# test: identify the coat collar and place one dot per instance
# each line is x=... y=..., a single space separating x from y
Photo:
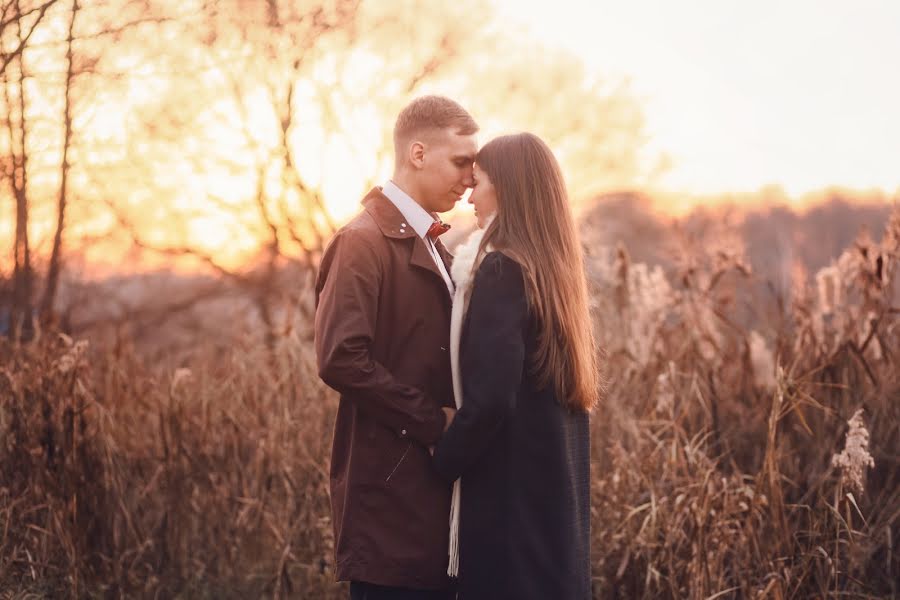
x=415 y=214
x=387 y=216
x=393 y=224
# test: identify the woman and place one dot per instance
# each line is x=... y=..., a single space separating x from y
x=525 y=378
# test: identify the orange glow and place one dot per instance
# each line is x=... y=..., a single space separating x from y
x=713 y=115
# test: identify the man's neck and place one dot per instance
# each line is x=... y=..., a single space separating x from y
x=407 y=184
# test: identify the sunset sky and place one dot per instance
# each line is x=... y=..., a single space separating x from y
x=735 y=97
x=804 y=94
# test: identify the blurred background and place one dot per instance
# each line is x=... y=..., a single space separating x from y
x=161 y=141
x=171 y=171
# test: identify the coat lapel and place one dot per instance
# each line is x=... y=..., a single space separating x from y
x=393 y=225
x=421 y=258
x=445 y=256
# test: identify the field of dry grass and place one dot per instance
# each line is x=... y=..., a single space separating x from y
x=724 y=465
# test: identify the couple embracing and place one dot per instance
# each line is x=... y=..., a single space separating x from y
x=460 y=461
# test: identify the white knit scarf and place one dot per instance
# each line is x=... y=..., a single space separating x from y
x=463 y=272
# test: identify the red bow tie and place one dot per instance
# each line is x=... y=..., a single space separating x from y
x=437 y=228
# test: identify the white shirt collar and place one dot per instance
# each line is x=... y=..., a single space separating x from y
x=417 y=217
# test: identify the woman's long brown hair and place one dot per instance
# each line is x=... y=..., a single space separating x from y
x=534 y=226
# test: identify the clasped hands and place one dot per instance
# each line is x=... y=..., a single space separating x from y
x=449 y=413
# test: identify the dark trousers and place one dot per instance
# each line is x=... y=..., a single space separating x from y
x=370 y=591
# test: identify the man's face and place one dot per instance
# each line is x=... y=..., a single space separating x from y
x=446 y=171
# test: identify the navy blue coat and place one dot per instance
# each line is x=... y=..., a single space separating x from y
x=524 y=460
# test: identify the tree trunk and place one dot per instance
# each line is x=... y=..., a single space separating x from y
x=55 y=266
x=20 y=316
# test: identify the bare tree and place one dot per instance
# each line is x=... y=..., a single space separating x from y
x=16 y=102
x=285 y=213
x=50 y=65
x=54 y=268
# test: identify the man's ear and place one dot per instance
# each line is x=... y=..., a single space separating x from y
x=417 y=154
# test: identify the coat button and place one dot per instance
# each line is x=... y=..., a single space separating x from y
x=403 y=432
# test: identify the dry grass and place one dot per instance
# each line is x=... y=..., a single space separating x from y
x=713 y=449
x=122 y=482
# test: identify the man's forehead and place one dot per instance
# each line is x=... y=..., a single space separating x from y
x=463 y=145
x=457 y=143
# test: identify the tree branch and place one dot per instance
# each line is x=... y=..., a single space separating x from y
x=6 y=58
x=129 y=228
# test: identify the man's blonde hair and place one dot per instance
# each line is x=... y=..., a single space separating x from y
x=431 y=113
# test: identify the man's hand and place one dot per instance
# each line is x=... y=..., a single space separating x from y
x=449 y=413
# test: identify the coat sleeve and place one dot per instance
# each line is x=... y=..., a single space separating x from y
x=347 y=297
x=492 y=361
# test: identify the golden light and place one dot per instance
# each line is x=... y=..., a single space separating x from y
x=736 y=98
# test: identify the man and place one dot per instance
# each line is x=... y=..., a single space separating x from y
x=383 y=299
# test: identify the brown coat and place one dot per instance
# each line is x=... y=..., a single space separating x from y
x=382 y=341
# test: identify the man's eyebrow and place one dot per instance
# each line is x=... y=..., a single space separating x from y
x=466 y=157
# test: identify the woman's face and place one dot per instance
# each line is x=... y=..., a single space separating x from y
x=483 y=197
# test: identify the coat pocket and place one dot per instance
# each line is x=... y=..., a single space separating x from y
x=399 y=462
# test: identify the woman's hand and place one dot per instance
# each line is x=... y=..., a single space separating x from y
x=449 y=413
